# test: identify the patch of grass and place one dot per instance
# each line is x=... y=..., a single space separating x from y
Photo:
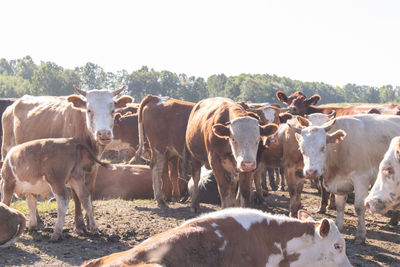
x=43 y=206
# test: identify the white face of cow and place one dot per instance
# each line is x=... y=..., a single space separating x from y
x=313 y=146
x=99 y=108
x=385 y=194
x=244 y=134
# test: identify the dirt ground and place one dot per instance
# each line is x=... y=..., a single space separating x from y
x=124 y=224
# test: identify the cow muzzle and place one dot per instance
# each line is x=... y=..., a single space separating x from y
x=375 y=205
x=104 y=136
x=311 y=174
x=247 y=166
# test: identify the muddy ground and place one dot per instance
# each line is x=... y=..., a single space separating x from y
x=123 y=224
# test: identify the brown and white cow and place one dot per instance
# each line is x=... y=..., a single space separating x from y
x=42 y=166
x=12 y=225
x=347 y=152
x=239 y=237
x=222 y=135
x=162 y=124
x=130 y=182
x=4 y=103
x=385 y=194
x=88 y=119
x=299 y=104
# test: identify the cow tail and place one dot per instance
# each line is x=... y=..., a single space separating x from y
x=94 y=157
x=138 y=154
x=21 y=228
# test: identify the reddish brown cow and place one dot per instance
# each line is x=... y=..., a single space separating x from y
x=129 y=182
x=239 y=237
x=42 y=166
x=12 y=225
x=89 y=119
x=4 y=103
x=299 y=104
x=222 y=135
x=162 y=123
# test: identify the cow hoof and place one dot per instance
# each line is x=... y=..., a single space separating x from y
x=359 y=240
x=162 y=204
x=55 y=237
x=80 y=230
x=195 y=209
x=322 y=211
x=331 y=207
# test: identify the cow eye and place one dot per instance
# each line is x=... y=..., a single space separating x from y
x=338 y=246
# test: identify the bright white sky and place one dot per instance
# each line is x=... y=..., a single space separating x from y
x=336 y=42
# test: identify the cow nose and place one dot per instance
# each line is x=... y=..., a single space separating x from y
x=104 y=134
x=248 y=165
x=311 y=173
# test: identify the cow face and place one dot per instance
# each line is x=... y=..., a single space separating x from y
x=244 y=134
x=385 y=194
x=297 y=102
x=99 y=107
x=329 y=247
x=313 y=141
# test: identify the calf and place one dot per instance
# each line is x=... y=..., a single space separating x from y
x=385 y=194
x=46 y=165
x=239 y=237
x=347 y=151
x=12 y=225
x=223 y=135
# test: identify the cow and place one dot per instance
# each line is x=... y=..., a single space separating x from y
x=12 y=225
x=347 y=152
x=42 y=166
x=239 y=237
x=208 y=188
x=385 y=194
x=88 y=118
x=224 y=136
x=4 y=103
x=130 y=182
x=162 y=124
x=299 y=104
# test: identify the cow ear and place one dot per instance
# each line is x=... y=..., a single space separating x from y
x=122 y=101
x=304 y=216
x=303 y=121
x=284 y=117
x=253 y=115
x=77 y=101
x=335 y=137
x=244 y=105
x=269 y=129
x=312 y=100
x=282 y=97
x=324 y=228
x=221 y=131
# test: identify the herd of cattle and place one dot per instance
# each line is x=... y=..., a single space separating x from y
x=51 y=143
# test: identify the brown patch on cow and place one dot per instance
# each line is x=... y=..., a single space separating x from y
x=12 y=224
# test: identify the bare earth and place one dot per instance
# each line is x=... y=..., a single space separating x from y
x=124 y=224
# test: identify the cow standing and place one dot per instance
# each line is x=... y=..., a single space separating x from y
x=347 y=152
x=162 y=124
x=239 y=237
x=222 y=135
x=88 y=119
x=12 y=225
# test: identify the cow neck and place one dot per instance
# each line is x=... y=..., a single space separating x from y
x=97 y=148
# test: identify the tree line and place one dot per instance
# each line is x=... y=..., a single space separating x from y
x=22 y=76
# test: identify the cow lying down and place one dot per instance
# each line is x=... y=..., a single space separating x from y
x=12 y=225
x=239 y=237
x=46 y=165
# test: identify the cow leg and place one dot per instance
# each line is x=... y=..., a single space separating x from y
x=196 y=169
x=32 y=205
x=360 y=193
x=282 y=180
x=295 y=186
x=79 y=222
x=7 y=191
x=62 y=207
x=244 y=188
x=394 y=218
x=166 y=185
x=324 y=197
x=340 y=204
x=332 y=205
x=258 y=173
x=158 y=166
x=173 y=165
x=224 y=186
x=271 y=179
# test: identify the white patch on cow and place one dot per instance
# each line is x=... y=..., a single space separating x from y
x=275 y=259
x=296 y=244
x=282 y=128
x=162 y=99
x=269 y=114
x=223 y=245
x=214 y=225
x=317 y=119
x=218 y=233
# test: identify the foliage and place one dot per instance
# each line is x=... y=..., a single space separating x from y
x=23 y=76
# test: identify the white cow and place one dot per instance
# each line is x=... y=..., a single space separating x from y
x=347 y=151
x=385 y=194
